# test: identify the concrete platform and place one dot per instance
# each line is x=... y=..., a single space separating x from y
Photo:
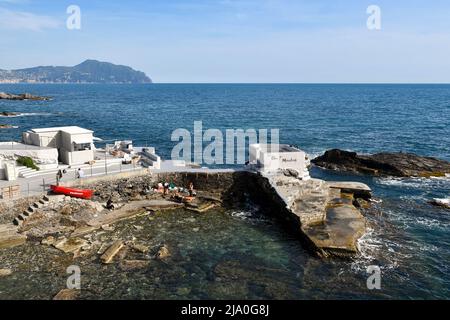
x=325 y=211
x=132 y=209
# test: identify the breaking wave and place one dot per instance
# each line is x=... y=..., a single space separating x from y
x=415 y=182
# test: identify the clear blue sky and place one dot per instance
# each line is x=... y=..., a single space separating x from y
x=236 y=40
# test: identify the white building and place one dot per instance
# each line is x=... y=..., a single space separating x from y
x=74 y=144
x=271 y=158
x=43 y=157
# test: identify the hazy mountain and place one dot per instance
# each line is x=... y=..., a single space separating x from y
x=89 y=71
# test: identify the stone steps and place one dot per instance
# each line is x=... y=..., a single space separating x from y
x=31 y=210
x=22 y=171
x=35 y=206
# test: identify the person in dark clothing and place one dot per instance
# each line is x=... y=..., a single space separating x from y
x=59 y=176
x=109 y=204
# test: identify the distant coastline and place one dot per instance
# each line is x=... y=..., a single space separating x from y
x=87 y=72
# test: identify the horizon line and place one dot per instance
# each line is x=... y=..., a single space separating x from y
x=233 y=83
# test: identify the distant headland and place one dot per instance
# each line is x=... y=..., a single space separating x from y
x=89 y=71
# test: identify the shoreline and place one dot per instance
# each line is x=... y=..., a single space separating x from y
x=224 y=189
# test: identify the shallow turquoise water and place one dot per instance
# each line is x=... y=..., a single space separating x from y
x=409 y=241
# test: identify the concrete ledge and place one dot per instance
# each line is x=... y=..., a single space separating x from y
x=109 y=177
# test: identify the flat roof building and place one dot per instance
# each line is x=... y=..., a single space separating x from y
x=271 y=158
x=74 y=144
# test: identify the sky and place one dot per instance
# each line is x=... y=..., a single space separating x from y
x=236 y=41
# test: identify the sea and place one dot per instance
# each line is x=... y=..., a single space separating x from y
x=243 y=254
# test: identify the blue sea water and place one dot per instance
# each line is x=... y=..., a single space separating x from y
x=410 y=240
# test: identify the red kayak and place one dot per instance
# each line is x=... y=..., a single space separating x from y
x=76 y=193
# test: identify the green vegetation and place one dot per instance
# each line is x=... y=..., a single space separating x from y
x=27 y=162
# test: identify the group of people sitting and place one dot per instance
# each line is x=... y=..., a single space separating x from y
x=177 y=193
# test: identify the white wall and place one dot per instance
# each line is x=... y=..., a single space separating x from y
x=47 y=139
x=79 y=157
x=283 y=160
x=44 y=158
x=2 y=170
x=254 y=153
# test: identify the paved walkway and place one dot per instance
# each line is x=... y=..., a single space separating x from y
x=41 y=184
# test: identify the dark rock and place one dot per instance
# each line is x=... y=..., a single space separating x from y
x=7 y=126
x=291 y=173
x=361 y=203
x=381 y=164
x=22 y=96
x=8 y=113
x=444 y=203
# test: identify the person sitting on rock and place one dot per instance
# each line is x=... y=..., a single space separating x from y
x=109 y=204
x=166 y=188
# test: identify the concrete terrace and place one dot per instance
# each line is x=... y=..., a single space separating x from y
x=324 y=211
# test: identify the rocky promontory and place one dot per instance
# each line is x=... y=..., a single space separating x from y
x=397 y=164
x=7 y=126
x=8 y=114
x=22 y=96
x=444 y=203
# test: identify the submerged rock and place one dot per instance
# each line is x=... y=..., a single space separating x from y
x=130 y=265
x=387 y=163
x=5 y=272
x=67 y=294
x=163 y=253
x=70 y=245
x=50 y=240
x=112 y=251
x=140 y=247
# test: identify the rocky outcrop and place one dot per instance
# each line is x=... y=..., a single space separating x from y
x=7 y=126
x=22 y=96
x=8 y=113
x=444 y=203
x=383 y=164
